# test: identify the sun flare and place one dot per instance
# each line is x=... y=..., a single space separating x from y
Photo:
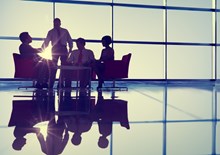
x=46 y=53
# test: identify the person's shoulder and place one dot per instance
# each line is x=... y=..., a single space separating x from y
x=88 y=50
x=76 y=50
x=64 y=29
x=51 y=30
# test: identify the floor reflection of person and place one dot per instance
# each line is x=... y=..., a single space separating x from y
x=106 y=112
x=55 y=142
x=79 y=119
x=25 y=115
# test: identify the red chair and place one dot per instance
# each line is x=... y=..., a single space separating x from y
x=25 y=68
x=117 y=69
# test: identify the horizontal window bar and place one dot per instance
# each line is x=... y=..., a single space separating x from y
x=130 y=5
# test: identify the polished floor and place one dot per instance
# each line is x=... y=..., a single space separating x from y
x=151 y=118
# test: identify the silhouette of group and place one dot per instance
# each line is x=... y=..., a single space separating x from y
x=75 y=116
x=59 y=38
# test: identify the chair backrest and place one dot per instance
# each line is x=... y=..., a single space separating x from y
x=126 y=59
x=24 y=67
x=117 y=68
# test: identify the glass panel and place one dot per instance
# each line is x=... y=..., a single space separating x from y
x=189 y=26
x=89 y=22
x=148 y=2
x=218 y=102
x=138 y=24
x=189 y=138
x=150 y=103
x=218 y=27
x=18 y=16
x=183 y=104
x=147 y=61
x=218 y=4
x=190 y=3
x=218 y=63
x=92 y=0
x=141 y=139
x=218 y=138
x=189 y=62
x=7 y=48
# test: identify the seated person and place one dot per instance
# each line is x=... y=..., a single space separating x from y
x=26 y=50
x=106 y=54
x=81 y=57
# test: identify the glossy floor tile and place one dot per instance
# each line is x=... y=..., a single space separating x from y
x=151 y=118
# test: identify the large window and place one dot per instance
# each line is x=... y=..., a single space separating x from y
x=168 y=39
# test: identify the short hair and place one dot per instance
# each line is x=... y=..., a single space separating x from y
x=81 y=41
x=107 y=38
x=57 y=19
x=23 y=36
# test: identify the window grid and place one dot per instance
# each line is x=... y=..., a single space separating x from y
x=214 y=44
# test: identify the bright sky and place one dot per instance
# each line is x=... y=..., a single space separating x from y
x=130 y=24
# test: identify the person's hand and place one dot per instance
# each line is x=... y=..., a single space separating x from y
x=40 y=50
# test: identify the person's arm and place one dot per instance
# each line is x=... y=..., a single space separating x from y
x=70 y=58
x=46 y=41
x=101 y=56
x=70 y=42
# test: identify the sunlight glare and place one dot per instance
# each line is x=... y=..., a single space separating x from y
x=46 y=53
x=43 y=128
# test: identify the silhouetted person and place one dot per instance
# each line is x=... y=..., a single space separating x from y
x=25 y=115
x=106 y=112
x=59 y=38
x=106 y=55
x=78 y=124
x=55 y=142
x=79 y=119
x=81 y=57
x=27 y=51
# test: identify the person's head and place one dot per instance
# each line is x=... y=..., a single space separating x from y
x=80 y=43
x=76 y=139
x=103 y=142
x=25 y=37
x=19 y=143
x=56 y=23
x=106 y=40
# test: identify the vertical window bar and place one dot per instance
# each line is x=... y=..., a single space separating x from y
x=112 y=23
x=165 y=39
x=54 y=8
x=214 y=38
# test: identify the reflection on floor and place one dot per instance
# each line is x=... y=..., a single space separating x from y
x=152 y=117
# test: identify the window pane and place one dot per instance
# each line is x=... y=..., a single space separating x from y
x=189 y=26
x=138 y=24
x=184 y=103
x=218 y=63
x=146 y=60
x=218 y=27
x=189 y=138
x=18 y=16
x=190 y=3
x=7 y=62
x=89 y=22
x=189 y=62
x=94 y=0
x=148 y=2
